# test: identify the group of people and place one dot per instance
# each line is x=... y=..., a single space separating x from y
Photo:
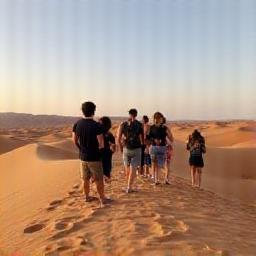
x=146 y=149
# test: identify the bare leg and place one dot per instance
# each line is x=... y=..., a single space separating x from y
x=100 y=188
x=156 y=173
x=193 y=172
x=168 y=171
x=131 y=177
x=86 y=185
x=141 y=170
x=127 y=172
x=199 y=176
x=146 y=170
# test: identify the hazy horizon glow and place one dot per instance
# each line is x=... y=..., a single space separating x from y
x=191 y=59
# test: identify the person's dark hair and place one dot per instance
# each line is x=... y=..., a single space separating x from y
x=145 y=119
x=164 y=120
x=133 y=112
x=196 y=134
x=157 y=116
x=88 y=109
x=106 y=123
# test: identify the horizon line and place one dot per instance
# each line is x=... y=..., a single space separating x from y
x=123 y=117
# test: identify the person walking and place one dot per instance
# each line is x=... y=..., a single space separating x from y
x=158 y=135
x=109 y=147
x=130 y=140
x=196 y=147
x=87 y=135
x=145 y=156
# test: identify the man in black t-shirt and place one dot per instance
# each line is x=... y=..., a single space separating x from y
x=88 y=137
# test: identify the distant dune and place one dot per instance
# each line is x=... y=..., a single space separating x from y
x=11 y=120
x=20 y=120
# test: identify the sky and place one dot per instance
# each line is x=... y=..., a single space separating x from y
x=190 y=59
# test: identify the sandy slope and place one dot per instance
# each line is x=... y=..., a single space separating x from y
x=26 y=184
x=167 y=220
x=42 y=207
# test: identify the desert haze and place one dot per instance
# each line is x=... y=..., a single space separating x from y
x=43 y=210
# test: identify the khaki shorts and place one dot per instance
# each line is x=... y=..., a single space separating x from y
x=91 y=170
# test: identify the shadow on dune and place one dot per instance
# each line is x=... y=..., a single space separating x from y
x=51 y=152
x=8 y=144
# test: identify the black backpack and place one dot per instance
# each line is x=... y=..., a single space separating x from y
x=132 y=132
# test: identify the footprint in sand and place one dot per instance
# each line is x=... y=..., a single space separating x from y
x=54 y=204
x=63 y=226
x=65 y=244
x=76 y=186
x=33 y=228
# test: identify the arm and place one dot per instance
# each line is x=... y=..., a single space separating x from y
x=119 y=137
x=113 y=147
x=169 y=134
x=203 y=148
x=142 y=138
x=112 y=143
x=75 y=140
x=100 y=141
x=188 y=142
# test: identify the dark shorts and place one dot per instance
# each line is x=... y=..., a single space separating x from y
x=196 y=161
x=147 y=160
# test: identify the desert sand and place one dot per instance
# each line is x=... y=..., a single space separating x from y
x=43 y=210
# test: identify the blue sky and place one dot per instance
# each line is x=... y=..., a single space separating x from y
x=190 y=59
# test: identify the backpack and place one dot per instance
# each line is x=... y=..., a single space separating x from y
x=132 y=132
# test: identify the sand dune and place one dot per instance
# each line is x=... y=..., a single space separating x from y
x=26 y=184
x=7 y=143
x=43 y=211
x=222 y=134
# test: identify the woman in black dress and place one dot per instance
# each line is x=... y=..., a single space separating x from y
x=109 y=147
x=196 y=146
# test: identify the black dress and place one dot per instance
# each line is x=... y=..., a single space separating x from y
x=107 y=154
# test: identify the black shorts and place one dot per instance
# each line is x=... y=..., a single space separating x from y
x=196 y=161
x=107 y=163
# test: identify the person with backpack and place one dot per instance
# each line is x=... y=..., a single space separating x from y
x=158 y=135
x=109 y=147
x=196 y=146
x=130 y=140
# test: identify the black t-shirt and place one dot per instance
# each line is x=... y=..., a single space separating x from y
x=157 y=135
x=87 y=130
